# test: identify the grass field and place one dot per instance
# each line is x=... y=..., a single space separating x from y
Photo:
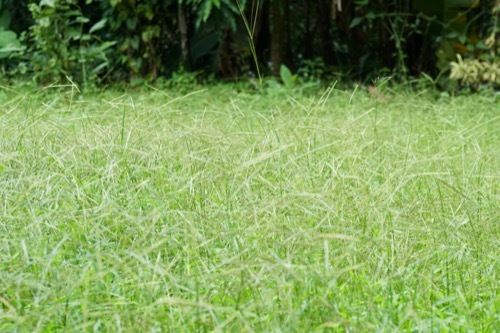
x=155 y=211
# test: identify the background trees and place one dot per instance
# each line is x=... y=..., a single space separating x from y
x=116 y=40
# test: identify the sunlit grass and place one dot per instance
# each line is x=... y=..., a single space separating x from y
x=223 y=211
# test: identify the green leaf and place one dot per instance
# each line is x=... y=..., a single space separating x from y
x=8 y=50
x=99 y=68
x=131 y=23
x=9 y=38
x=50 y=3
x=287 y=77
x=362 y=2
x=8 y=43
x=230 y=21
x=98 y=26
x=481 y=46
x=44 y=22
x=232 y=6
x=106 y=45
x=355 y=22
x=134 y=42
x=205 y=10
x=81 y=19
x=371 y=16
x=4 y=20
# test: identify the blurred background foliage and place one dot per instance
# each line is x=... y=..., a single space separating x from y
x=95 y=42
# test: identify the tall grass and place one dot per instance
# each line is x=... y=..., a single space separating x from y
x=150 y=212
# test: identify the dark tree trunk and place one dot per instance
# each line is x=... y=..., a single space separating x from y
x=261 y=34
x=227 y=57
x=279 y=41
x=356 y=38
x=308 y=33
x=324 y=32
x=184 y=30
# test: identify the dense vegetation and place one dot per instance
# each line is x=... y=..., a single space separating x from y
x=107 y=41
x=283 y=201
x=271 y=211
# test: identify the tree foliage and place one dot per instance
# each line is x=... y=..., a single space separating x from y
x=64 y=42
x=116 y=40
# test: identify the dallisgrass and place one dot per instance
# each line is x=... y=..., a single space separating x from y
x=218 y=210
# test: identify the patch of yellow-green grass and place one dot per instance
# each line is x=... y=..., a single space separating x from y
x=221 y=211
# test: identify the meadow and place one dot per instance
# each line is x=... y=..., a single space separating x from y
x=218 y=210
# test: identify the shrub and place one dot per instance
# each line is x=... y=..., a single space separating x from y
x=61 y=43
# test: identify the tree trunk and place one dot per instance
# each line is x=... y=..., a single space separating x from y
x=324 y=32
x=261 y=34
x=308 y=33
x=184 y=30
x=279 y=40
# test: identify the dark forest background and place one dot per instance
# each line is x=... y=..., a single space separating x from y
x=106 y=41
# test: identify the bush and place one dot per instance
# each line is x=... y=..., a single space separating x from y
x=61 y=43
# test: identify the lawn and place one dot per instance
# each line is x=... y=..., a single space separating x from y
x=248 y=211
